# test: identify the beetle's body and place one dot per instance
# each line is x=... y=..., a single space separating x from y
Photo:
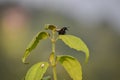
x=62 y=31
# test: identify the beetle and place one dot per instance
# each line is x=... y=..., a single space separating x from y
x=62 y=31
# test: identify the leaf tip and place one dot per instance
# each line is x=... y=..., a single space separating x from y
x=23 y=60
x=86 y=61
x=87 y=57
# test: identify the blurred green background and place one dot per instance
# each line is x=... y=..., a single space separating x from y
x=97 y=22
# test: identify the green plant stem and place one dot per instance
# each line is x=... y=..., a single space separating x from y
x=53 y=47
x=53 y=50
x=54 y=73
x=53 y=42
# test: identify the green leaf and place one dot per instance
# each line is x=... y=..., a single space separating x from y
x=50 y=27
x=34 y=43
x=71 y=65
x=37 y=71
x=75 y=43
